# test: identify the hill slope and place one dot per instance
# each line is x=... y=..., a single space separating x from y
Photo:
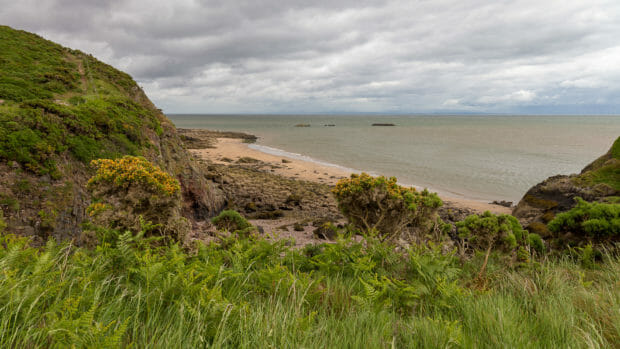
x=60 y=109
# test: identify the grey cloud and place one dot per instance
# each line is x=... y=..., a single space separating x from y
x=399 y=56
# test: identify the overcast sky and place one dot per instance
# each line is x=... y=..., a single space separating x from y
x=539 y=56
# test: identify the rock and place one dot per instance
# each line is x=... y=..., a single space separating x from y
x=502 y=203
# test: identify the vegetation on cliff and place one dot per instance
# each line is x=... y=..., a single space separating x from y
x=60 y=109
x=130 y=192
x=588 y=222
x=58 y=101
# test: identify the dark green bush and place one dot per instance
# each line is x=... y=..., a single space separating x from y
x=231 y=221
x=502 y=232
x=589 y=221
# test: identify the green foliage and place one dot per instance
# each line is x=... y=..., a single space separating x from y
x=231 y=221
x=489 y=231
x=589 y=220
x=252 y=292
x=536 y=242
x=58 y=101
x=603 y=171
x=381 y=204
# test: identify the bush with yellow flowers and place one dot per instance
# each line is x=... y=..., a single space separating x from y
x=380 y=204
x=129 y=191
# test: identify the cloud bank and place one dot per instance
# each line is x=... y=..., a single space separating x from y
x=213 y=56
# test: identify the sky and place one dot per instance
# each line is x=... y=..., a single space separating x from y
x=352 y=56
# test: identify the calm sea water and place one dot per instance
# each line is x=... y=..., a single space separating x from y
x=481 y=157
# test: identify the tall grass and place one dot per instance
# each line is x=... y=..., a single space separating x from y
x=252 y=293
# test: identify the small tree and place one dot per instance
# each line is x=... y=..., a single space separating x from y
x=380 y=204
x=130 y=191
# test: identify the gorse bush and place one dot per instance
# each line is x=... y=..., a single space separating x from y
x=380 y=204
x=130 y=191
x=131 y=171
x=588 y=221
x=488 y=231
x=503 y=232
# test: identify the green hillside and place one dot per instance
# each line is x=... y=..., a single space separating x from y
x=61 y=108
x=58 y=102
x=604 y=170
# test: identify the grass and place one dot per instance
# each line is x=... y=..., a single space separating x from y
x=250 y=293
x=604 y=170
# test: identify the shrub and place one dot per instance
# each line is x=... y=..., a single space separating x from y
x=591 y=221
x=231 y=221
x=326 y=231
x=489 y=231
x=380 y=204
x=130 y=191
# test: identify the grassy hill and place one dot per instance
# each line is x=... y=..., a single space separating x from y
x=604 y=170
x=61 y=108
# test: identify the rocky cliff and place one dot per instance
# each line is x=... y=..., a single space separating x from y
x=61 y=108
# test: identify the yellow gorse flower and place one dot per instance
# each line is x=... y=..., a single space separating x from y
x=129 y=170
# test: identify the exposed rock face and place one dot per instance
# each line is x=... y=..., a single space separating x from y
x=596 y=182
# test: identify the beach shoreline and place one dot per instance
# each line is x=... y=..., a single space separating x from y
x=230 y=150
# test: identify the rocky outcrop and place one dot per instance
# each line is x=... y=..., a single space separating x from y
x=598 y=181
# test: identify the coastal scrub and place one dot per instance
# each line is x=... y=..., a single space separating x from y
x=130 y=191
x=380 y=204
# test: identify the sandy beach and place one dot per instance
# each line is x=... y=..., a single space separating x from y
x=227 y=150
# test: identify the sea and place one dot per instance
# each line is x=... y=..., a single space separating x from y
x=477 y=157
